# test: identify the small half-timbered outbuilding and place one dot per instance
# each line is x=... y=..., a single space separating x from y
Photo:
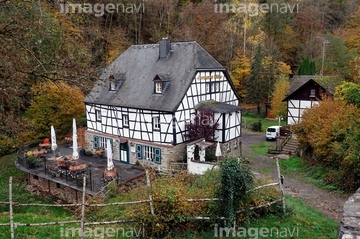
x=145 y=98
x=305 y=92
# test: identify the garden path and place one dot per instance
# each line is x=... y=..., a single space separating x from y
x=329 y=203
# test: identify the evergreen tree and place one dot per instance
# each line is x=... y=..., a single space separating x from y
x=307 y=67
x=256 y=85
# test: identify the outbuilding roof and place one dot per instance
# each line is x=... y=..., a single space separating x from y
x=217 y=107
x=327 y=83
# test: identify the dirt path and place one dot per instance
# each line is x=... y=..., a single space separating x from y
x=329 y=203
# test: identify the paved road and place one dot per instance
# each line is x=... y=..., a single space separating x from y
x=329 y=203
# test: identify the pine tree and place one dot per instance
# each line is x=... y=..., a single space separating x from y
x=307 y=67
x=256 y=84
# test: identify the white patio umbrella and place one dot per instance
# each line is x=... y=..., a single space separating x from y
x=75 y=143
x=53 y=139
x=218 y=150
x=110 y=164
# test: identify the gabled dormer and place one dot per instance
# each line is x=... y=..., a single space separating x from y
x=115 y=81
x=161 y=84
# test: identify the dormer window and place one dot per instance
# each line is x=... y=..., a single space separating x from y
x=112 y=82
x=158 y=87
x=312 y=93
x=161 y=84
x=115 y=81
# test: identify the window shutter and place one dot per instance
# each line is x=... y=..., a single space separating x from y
x=96 y=142
x=157 y=158
x=139 y=151
x=111 y=143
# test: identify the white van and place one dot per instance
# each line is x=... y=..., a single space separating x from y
x=272 y=132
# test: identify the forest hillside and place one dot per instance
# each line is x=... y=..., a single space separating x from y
x=42 y=46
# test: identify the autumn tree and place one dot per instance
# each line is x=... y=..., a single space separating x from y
x=55 y=104
x=349 y=92
x=198 y=21
x=240 y=71
x=281 y=88
x=338 y=58
x=329 y=135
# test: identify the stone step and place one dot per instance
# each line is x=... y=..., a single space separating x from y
x=291 y=146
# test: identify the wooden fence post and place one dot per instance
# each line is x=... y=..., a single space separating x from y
x=11 y=209
x=83 y=209
x=150 y=195
x=280 y=185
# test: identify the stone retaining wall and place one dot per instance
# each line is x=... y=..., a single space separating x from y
x=350 y=223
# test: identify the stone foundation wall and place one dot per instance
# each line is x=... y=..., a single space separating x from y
x=231 y=148
x=169 y=153
x=47 y=188
x=350 y=223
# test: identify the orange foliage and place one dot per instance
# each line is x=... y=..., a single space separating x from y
x=317 y=126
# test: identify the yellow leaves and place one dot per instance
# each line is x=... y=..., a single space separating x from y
x=278 y=108
x=352 y=31
x=319 y=124
x=355 y=69
x=284 y=69
x=240 y=72
x=55 y=103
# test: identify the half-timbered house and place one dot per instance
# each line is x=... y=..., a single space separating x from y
x=145 y=98
x=305 y=92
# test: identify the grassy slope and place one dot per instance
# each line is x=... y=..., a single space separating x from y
x=311 y=223
x=28 y=214
x=313 y=175
x=302 y=222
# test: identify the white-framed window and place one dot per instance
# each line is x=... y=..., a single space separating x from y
x=100 y=142
x=156 y=123
x=312 y=93
x=149 y=153
x=212 y=87
x=216 y=86
x=207 y=87
x=158 y=87
x=125 y=119
x=112 y=85
x=98 y=115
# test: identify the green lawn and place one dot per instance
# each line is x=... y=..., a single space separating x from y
x=262 y=147
x=26 y=214
x=301 y=221
x=247 y=120
x=314 y=175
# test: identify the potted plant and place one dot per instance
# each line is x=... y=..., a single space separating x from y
x=137 y=165
x=33 y=162
x=58 y=173
x=88 y=153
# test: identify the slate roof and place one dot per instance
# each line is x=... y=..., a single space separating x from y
x=217 y=107
x=138 y=66
x=328 y=83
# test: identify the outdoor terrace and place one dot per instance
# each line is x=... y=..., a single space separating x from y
x=46 y=168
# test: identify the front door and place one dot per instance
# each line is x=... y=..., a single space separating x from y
x=124 y=152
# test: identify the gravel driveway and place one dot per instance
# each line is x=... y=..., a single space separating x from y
x=329 y=203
